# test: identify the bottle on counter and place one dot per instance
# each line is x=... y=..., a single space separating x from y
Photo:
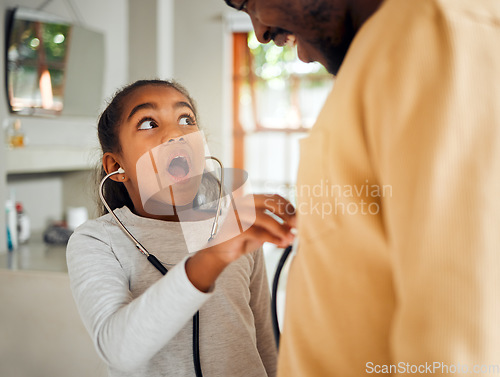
x=16 y=135
x=11 y=220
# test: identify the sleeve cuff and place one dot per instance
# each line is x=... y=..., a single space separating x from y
x=183 y=279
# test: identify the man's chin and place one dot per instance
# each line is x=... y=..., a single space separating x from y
x=333 y=64
x=302 y=53
x=331 y=58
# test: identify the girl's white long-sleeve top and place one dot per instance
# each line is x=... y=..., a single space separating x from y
x=141 y=321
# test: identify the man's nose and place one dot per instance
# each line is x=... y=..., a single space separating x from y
x=262 y=32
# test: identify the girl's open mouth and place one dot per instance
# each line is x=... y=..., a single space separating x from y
x=179 y=164
x=178 y=167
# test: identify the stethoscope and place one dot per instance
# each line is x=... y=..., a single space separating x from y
x=274 y=292
x=215 y=227
x=159 y=266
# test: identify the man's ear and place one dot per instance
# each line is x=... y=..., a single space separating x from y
x=110 y=164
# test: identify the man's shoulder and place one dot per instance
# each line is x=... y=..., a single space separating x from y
x=481 y=10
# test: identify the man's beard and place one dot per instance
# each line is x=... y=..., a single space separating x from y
x=334 y=52
x=334 y=56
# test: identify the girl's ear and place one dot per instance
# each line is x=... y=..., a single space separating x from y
x=110 y=164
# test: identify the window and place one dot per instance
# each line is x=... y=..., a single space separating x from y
x=277 y=99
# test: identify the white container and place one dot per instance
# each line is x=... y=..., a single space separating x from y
x=76 y=216
x=24 y=226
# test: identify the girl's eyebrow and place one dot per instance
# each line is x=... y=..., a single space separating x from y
x=147 y=105
x=183 y=104
x=150 y=105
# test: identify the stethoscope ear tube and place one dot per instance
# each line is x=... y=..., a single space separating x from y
x=274 y=311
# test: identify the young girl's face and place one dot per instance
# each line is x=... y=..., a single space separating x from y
x=160 y=119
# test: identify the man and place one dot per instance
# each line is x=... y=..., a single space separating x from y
x=398 y=188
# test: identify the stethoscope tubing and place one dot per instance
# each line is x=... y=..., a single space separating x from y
x=137 y=244
x=274 y=294
x=160 y=267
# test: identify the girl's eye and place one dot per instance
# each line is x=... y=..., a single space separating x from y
x=187 y=120
x=147 y=124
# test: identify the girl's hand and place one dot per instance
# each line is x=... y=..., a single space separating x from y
x=253 y=214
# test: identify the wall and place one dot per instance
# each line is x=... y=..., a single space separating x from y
x=151 y=39
x=3 y=184
x=142 y=56
x=66 y=130
x=202 y=62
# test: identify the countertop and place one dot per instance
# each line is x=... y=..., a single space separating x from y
x=35 y=255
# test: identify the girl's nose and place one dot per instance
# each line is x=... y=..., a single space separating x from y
x=178 y=140
x=173 y=136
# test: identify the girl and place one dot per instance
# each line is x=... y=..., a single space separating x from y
x=139 y=320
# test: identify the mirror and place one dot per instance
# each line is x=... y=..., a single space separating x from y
x=53 y=67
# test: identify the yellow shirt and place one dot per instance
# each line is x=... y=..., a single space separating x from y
x=398 y=268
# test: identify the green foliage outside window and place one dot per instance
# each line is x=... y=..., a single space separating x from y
x=274 y=62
